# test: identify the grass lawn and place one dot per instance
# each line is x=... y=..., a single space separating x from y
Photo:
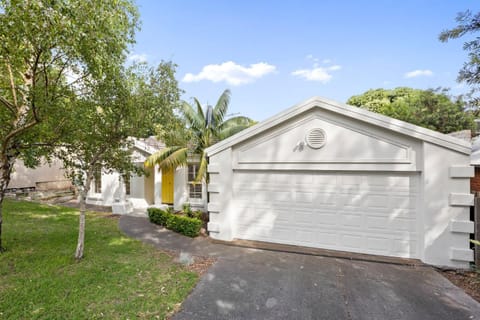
x=119 y=278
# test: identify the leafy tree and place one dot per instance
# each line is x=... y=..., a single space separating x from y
x=204 y=129
x=158 y=86
x=48 y=51
x=432 y=109
x=468 y=22
x=100 y=126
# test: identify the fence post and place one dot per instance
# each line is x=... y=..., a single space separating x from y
x=477 y=230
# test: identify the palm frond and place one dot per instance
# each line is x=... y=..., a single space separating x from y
x=221 y=108
x=202 y=169
x=237 y=121
x=199 y=108
x=228 y=132
x=233 y=126
x=177 y=159
x=195 y=120
x=168 y=158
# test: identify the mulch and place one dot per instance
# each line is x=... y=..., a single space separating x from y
x=201 y=265
x=469 y=281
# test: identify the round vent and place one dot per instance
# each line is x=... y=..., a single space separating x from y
x=316 y=138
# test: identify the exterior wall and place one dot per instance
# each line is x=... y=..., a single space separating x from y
x=137 y=186
x=149 y=186
x=446 y=207
x=180 y=192
x=475 y=181
x=45 y=177
x=110 y=190
x=350 y=145
x=220 y=206
x=157 y=186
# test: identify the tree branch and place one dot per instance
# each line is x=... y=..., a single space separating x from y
x=15 y=132
x=8 y=104
x=12 y=83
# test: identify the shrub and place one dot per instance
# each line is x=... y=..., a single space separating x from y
x=187 y=226
x=187 y=209
x=197 y=214
x=182 y=224
x=158 y=216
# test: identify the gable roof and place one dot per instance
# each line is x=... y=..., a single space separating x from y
x=360 y=114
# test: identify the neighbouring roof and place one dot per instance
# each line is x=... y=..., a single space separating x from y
x=149 y=145
x=360 y=114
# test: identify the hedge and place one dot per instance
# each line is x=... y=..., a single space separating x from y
x=158 y=216
x=184 y=225
x=187 y=226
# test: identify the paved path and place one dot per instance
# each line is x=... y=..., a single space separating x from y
x=256 y=284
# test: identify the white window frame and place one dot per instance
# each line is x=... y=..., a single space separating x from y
x=190 y=183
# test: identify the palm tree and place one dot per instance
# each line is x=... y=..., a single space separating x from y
x=206 y=129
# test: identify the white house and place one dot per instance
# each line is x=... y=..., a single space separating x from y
x=328 y=175
x=157 y=188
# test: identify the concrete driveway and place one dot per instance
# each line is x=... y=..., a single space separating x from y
x=257 y=284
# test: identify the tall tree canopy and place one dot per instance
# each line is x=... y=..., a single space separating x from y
x=204 y=128
x=468 y=23
x=50 y=53
x=432 y=109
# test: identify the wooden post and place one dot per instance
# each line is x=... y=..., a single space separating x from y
x=477 y=230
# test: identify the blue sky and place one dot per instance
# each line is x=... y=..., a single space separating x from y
x=274 y=54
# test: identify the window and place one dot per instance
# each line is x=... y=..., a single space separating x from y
x=194 y=189
x=126 y=181
x=97 y=176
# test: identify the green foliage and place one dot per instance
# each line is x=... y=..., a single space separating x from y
x=158 y=88
x=432 y=109
x=50 y=51
x=119 y=277
x=158 y=216
x=468 y=23
x=201 y=135
x=475 y=242
x=55 y=58
x=197 y=214
x=187 y=209
x=187 y=226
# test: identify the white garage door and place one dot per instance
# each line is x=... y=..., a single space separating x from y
x=372 y=213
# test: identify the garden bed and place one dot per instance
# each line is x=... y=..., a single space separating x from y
x=469 y=281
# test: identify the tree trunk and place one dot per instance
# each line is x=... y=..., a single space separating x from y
x=6 y=166
x=81 y=224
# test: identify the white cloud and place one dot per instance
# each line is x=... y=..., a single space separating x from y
x=137 y=57
x=320 y=74
x=232 y=73
x=418 y=73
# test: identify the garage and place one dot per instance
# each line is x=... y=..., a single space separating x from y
x=365 y=213
x=327 y=175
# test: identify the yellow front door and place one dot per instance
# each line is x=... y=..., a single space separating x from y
x=167 y=186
